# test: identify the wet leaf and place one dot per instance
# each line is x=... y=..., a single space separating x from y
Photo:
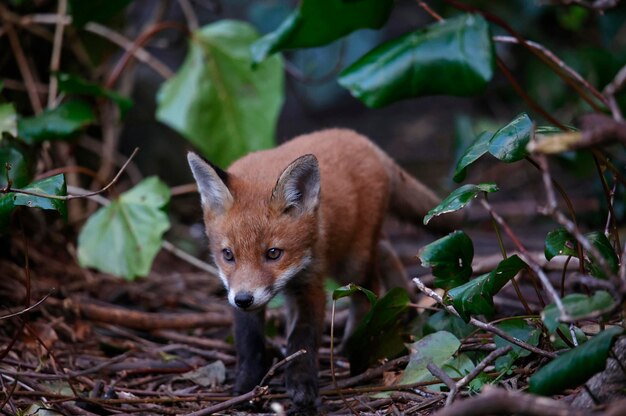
x=476 y=296
x=73 y=84
x=217 y=101
x=575 y=366
x=380 y=330
x=479 y=147
x=59 y=123
x=509 y=143
x=319 y=22
x=459 y=198
x=452 y=57
x=124 y=237
x=450 y=258
x=560 y=243
x=576 y=305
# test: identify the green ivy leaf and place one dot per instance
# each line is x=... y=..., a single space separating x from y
x=450 y=258
x=575 y=366
x=350 y=289
x=520 y=329
x=437 y=348
x=13 y=153
x=319 y=22
x=217 y=101
x=459 y=198
x=54 y=185
x=479 y=147
x=576 y=305
x=444 y=321
x=73 y=84
x=509 y=143
x=561 y=243
x=124 y=237
x=58 y=123
x=476 y=296
x=452 y=57
x=380 y=330
x=8 y=120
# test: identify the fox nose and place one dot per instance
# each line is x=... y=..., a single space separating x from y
x=244 y=299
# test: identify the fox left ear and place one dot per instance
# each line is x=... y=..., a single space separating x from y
x=298 y=187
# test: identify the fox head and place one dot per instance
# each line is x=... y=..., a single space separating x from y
x=261 y=237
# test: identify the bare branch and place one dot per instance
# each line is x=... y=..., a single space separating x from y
x=55 y=59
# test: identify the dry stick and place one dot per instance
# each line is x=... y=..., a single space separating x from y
x=8 y=188
x=446 y=379
x=609 y=91
x=55 y=60
x=270 y=373
x=139 y=53
x=480 y=324
x=28 y=309
x=526 y=258
x=187 y=9
x=476 y=371
x=499 y=401
x=22 y=64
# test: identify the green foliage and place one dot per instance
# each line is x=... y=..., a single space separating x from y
x=453 y=57
x=474 y=151
x=73 y=84
x=476 y=296
x=350 y=289
x=380 y=330
x=561 y=243
x=8 y=120
x=444 y=321
x=520 y=329
x=459 y=198
x=217 y=101
x=14 y=164
x=124 y=237
x=438 y=348
x=575 y=366
x=576 y=305
x=318 y=22
x=450 y=258
x=509 y=143
x=59 y=123
x=54 y=185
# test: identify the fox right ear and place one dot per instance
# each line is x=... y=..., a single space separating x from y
x=212 y=184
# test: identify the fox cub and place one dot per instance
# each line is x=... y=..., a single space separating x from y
x=286 y=218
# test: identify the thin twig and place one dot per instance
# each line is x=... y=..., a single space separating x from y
x=30 y=308
x=480 y=324
x=9 y=189
x=55 y=59
x=253 y=394
x=270 y=373
x=190 y=14
x=611 y=88
x=436 y=371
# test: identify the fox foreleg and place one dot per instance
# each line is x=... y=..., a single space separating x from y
x=250 y=344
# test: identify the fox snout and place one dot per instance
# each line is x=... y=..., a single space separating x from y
x=248 y=300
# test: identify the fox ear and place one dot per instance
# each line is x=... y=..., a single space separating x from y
x=212 y=184
x=298 y=187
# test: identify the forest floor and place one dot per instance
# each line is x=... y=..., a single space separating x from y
x=89 y=343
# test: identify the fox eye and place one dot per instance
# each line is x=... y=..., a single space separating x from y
x=228 y=254
x=273 y=253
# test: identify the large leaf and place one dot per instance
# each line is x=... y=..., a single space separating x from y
x=318 y=22
x=76 y=85
x=14 y=158
x=380 y=330
x=520 y=329
x=576 y=305
x=95 y=10
x=476 y=296
x=217 y=101
x=54 y=185
x=437 y=348
x=61 y=122
x=509 y=143
x=575 y=366
x=459 y=198
x=561 y=243
x=453 y=57
x=124 y=237
x=479 y=147
x=445 y=321
x=8 y=120
x=450 y=258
